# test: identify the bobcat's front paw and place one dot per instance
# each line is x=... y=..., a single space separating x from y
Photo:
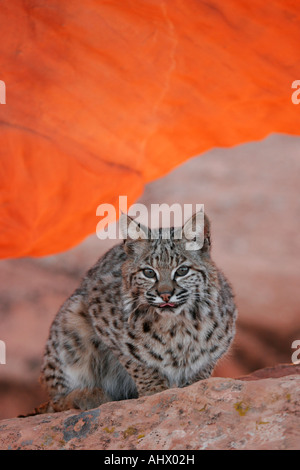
x=86 y=399
x=151 y=387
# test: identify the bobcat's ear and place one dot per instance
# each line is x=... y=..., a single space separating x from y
x=196 y=232
x=132 y=230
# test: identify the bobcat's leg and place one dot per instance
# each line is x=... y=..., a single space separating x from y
x=79 y=370
x=82 y=399
x=147 y=379
x=204 y=373
x=71 y=371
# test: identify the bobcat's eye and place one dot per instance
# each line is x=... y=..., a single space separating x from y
x=148 y=272
x=182 y=271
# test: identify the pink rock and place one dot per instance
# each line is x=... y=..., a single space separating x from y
x=280 y=370
x=216 y=413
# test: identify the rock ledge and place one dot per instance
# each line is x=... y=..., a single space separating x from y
x=259 y=411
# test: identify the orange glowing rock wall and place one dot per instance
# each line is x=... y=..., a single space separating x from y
x=105 y=96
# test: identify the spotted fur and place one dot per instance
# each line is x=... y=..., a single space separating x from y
x=113 y=340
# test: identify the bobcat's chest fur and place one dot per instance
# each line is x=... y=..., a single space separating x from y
x=175 y=345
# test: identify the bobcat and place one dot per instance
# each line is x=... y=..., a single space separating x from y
x=148 y=316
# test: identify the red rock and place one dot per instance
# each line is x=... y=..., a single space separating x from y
x=216 y=413
x=281 y=370
x=84 y=113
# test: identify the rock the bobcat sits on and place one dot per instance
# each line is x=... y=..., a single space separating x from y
x=148 y=316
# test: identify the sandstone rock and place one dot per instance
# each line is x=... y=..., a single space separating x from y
x=126 y=119
x=216 y=413
x=281 y=370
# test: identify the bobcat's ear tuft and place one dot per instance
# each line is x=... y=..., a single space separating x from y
x=207 y=240
x=196 y=232
x=132 y=230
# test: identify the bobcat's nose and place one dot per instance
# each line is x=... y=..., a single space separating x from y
x=166 y=296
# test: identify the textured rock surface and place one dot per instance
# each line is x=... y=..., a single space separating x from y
x=217 y=413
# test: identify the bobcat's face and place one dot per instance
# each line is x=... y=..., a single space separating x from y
x=169 y=287
x=161 y=273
